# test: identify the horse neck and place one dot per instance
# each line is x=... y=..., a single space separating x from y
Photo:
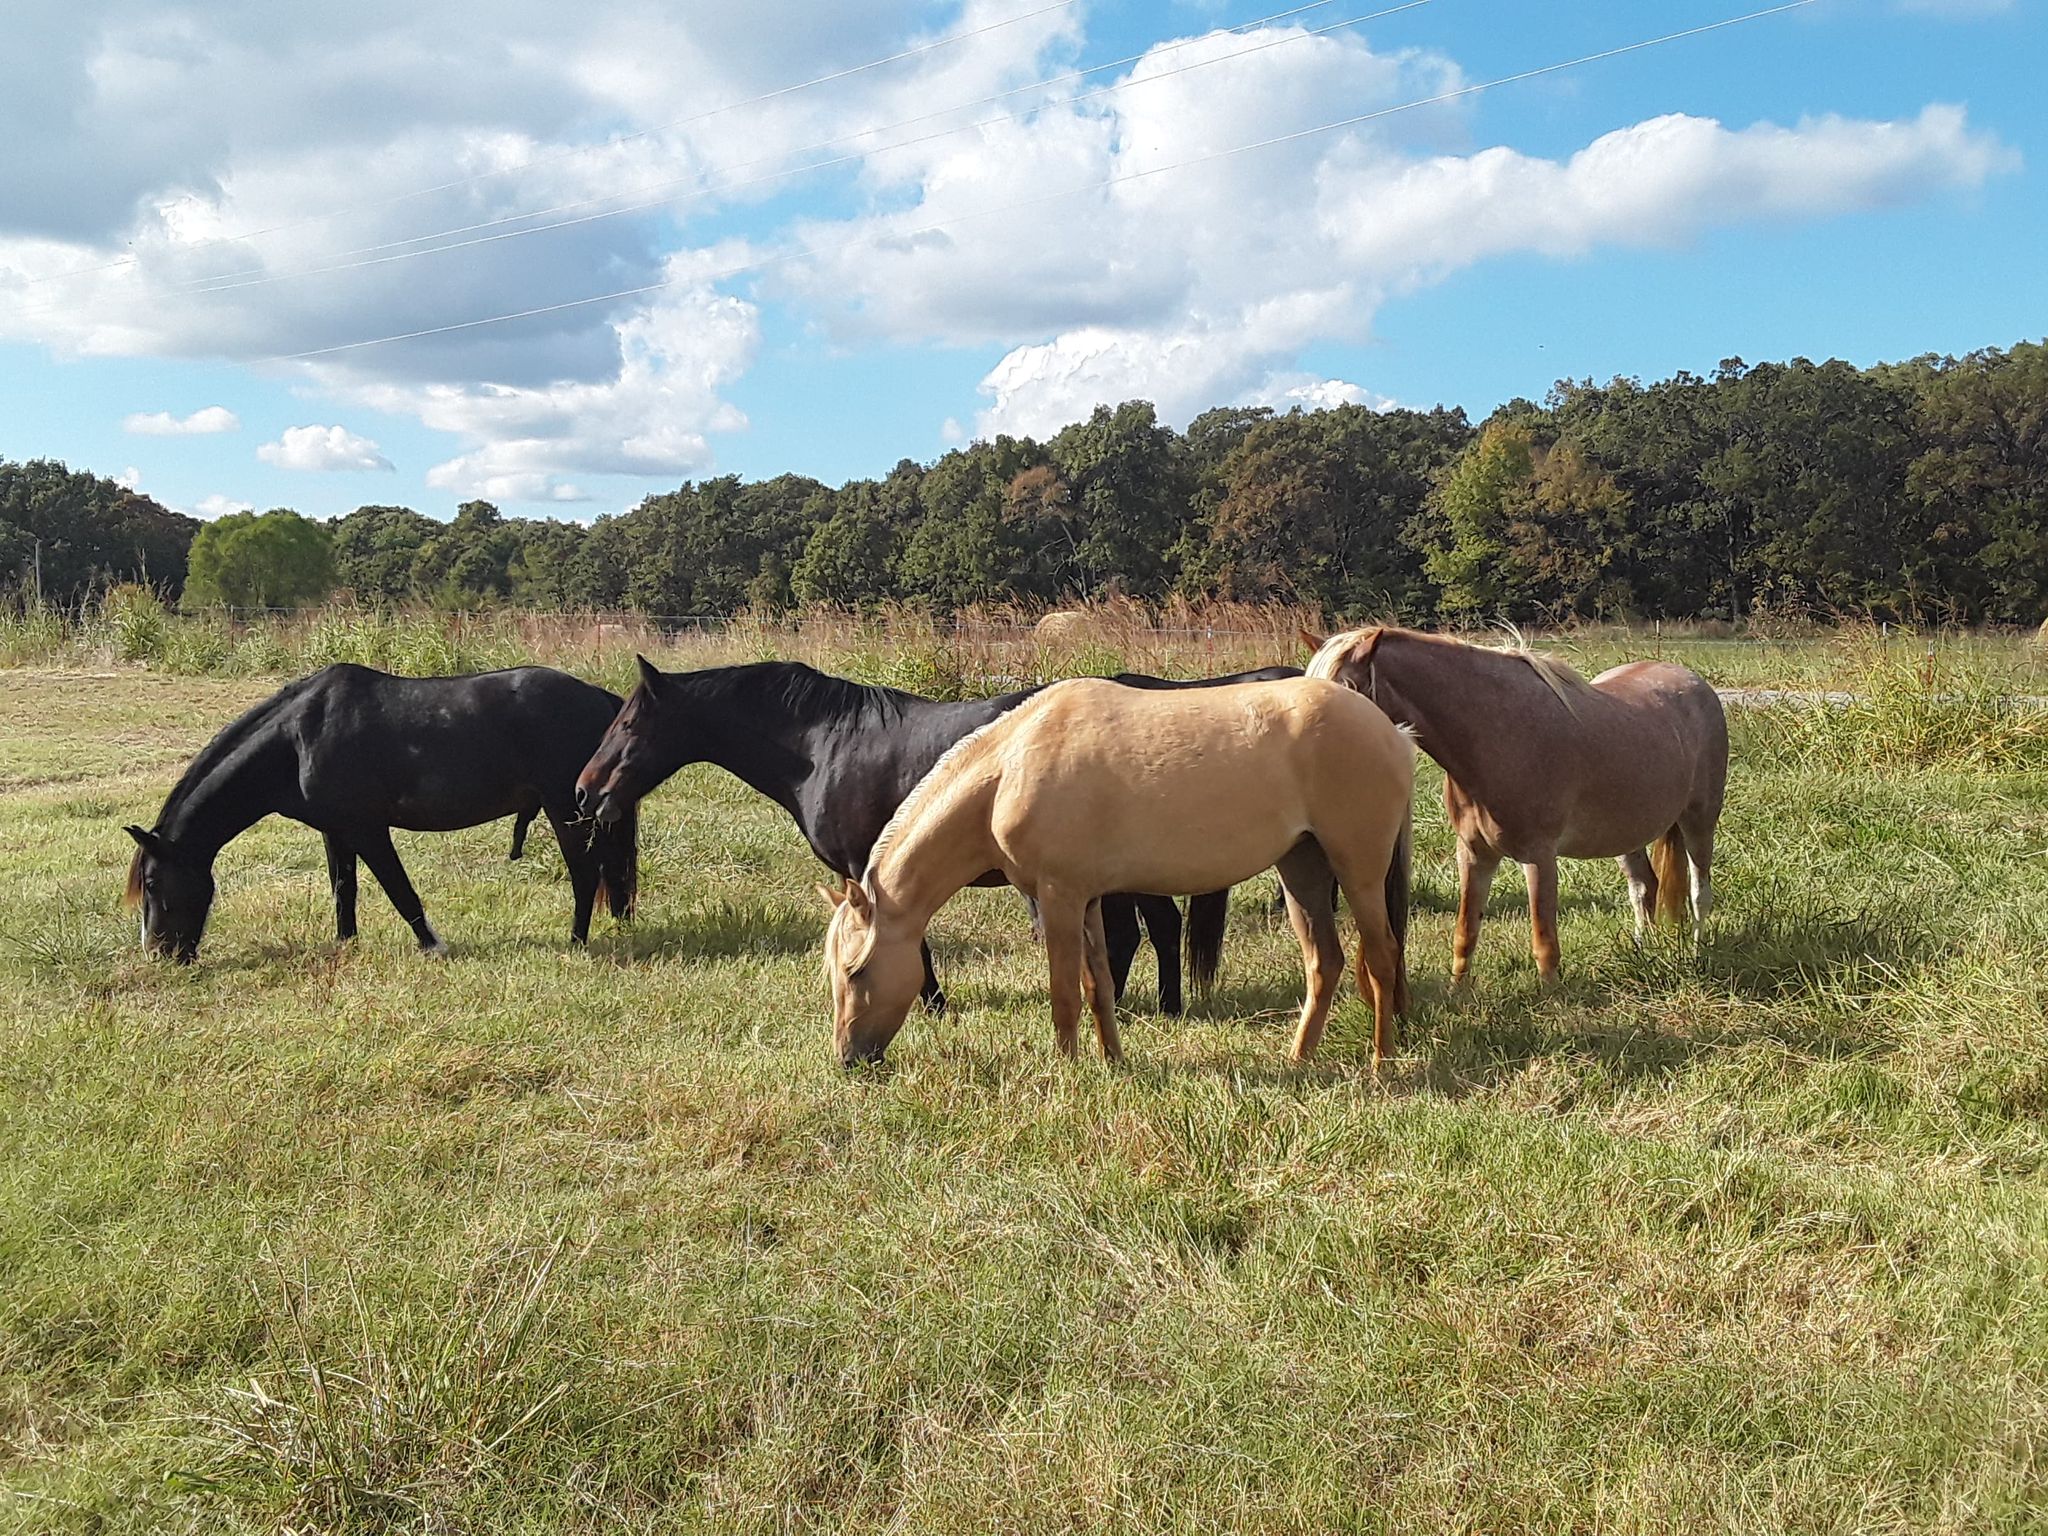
x=224 y=794
x=1459 y=698
x=758 y=740
x=943 y=845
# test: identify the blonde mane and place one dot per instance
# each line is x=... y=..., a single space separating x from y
x=1330 y=654
x=894 y=824
x=1558 y=675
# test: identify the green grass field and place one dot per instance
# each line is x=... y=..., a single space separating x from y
x=307 y=1239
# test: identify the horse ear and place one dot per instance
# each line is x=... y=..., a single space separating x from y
x=857 y=898
x=1311 y=639
x=832 y=898
x=650 y=675
x=146 y=841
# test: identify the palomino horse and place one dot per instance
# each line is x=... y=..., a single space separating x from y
x=1091 y=788
x=354 y=753
x=1539 y=763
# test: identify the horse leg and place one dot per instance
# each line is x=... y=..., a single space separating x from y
x=1379 y=957
x=1162 y=923
x=1305 y=879
x=1475 y=879
x=1642 y=888
x=1542 y=880
x=1698 y=832
x=1120 y=933
x=521 y=820
x=582 y=861
x=341 y=874
x=1101 y=986
x=933 y=994
x=1066 y=952
x=374 y=844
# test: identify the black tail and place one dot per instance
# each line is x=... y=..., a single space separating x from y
x=1208 y=916
x=618 y=863
x=1397 y=908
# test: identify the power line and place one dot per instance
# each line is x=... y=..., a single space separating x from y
x=908 y=122
x=1011 y=207
x=260 y=277
x=583 y=149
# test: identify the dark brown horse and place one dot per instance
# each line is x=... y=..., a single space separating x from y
x=1539 y=763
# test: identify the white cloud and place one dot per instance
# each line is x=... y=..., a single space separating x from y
x=217 y=505
x=129 y=479
x=951 y=433
x=1202 y=285
x=208 y=419
x=1187 y=287
x=204 y=125
x=322 y=448
x=1285 y=391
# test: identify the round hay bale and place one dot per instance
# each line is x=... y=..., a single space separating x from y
x=1067 y=626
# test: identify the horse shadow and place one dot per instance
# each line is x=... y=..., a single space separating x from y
x=723 y=930
x=1461 y=1042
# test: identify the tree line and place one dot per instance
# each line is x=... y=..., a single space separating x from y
x=1909 y=491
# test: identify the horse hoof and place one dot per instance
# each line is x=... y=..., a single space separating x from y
x=438 y=949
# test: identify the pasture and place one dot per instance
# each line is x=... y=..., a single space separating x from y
x=313 y=1239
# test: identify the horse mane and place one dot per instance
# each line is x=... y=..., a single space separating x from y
x=1330 y=654
x=805 y=691
x=1554 y=672
x=228 y=740
x=902 y=812
x=132 y=892
x=1557 y=674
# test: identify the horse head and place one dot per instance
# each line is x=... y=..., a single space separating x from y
x=874 y=978
x=618 y=773
x=174 y=889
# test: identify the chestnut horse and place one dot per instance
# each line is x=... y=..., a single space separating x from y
x=1090 y=788
x=1539 y=763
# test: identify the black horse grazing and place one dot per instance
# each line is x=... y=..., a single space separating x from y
x=353 y=753
x=840 y=757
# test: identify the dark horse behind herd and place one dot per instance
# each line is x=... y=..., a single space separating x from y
x=840 y=757
x=353 y=753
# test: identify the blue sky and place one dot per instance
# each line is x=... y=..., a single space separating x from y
x=1855 y=178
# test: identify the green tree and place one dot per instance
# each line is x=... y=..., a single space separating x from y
x=1471 y=507
x=1313 y=506
x=91 y=532
x=375 y=549
x=274 y=560
x=1125 y=500
x=849 y=559
x=963 y=550
x=1980 y=482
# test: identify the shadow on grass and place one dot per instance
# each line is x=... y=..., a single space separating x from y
x=1458 y=1043
x=724 y=930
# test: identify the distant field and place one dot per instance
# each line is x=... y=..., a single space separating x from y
x=531 y=1240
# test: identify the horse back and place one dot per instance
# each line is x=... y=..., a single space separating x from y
x=437 y=753
x=1190 y=784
